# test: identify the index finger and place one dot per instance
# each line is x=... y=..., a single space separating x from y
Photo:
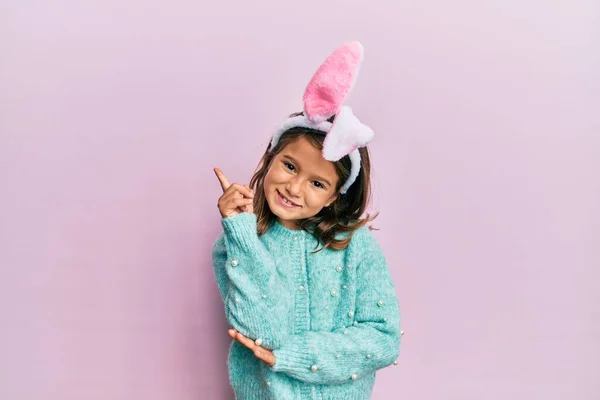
x=222 y=179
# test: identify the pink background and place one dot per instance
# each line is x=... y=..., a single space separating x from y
x=486 y=172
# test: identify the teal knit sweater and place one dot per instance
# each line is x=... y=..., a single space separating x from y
x=331 y=318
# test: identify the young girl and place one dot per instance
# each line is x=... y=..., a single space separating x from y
x=306 y=287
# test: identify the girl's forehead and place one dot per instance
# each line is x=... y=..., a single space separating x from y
x=308 y=157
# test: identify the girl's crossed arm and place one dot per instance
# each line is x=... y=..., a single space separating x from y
x=253 y=293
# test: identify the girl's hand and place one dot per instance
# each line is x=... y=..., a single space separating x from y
x=236 y=198
x=260 y=352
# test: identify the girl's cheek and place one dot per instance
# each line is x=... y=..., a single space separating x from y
x=278 y=176
x=269 y=176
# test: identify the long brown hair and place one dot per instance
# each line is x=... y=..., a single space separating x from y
x=344 y=215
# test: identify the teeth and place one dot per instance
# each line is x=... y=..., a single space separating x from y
x=286 y=201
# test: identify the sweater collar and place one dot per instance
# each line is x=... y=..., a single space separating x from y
x=286 y=233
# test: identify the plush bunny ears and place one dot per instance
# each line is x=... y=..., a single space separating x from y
x=332 y=82
x=323 y=98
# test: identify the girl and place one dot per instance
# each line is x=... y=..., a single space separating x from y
x=306 y=287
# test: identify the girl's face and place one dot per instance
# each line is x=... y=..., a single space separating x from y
x=299 y=183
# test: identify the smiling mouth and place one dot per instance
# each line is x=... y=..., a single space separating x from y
x=285 y=200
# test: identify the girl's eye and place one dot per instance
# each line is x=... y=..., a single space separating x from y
x=289 y=166
x=318 y=184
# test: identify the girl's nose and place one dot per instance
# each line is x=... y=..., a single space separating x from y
x=294 y=187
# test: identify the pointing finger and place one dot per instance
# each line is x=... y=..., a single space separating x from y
x=222 y=179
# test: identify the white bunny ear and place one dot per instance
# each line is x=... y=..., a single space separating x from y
x=346 y=135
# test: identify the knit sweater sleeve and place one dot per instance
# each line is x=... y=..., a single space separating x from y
x=371 y=343
x=253 y=293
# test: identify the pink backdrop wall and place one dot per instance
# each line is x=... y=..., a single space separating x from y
x=486 y=170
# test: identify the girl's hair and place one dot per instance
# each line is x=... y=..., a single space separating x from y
x=343 y=215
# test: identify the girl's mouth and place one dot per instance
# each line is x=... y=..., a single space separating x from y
x=285 y=202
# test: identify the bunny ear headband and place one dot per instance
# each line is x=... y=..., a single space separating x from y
x=323 y=98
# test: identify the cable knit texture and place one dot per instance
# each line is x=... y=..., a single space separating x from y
x=331 y=318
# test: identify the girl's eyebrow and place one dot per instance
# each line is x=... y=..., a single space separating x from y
x=292 y=159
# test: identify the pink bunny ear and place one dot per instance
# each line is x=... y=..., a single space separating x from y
x=332 y=82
